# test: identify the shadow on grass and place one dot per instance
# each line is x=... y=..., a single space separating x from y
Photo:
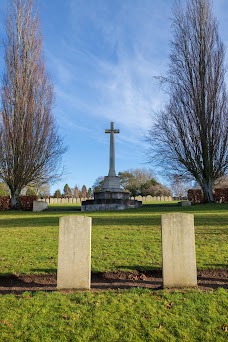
x=122 y=221
x=44 y=221
x=29 y=222
x=129 y=217
x=154 y=220
x=140 y=268
x=119 y=221
x=63 y=208
x=208 y=207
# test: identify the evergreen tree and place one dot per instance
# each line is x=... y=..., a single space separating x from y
x=57 y=194
x=67 y=191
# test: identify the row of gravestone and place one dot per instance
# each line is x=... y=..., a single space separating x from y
x=178 y=252
x=150 y=198
x=52 y=200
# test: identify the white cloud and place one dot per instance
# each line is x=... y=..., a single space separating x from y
x=110 y=60
x=129 y=93
x=109 y=74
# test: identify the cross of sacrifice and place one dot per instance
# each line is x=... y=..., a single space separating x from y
x=112 y=131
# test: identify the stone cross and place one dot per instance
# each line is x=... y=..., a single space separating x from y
x=112 y=131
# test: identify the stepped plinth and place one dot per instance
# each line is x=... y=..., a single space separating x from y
x=111 y=196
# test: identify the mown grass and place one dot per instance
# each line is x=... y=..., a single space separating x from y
x=127 y=240
x=133 y=315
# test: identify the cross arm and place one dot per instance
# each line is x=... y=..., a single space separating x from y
x=112 y=130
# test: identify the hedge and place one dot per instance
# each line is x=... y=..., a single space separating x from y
x=26 y=202
x=4 y=203
x=221 y=195
x=196 y=195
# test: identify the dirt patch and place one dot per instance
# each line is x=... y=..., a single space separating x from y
x=207 y=280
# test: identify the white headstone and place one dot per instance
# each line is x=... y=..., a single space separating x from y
x=185 y=203
x=39 y=205
x=74 y=255
x=178 y=251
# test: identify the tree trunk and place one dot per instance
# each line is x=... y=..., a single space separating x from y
x=15 y=201
x=208 y=192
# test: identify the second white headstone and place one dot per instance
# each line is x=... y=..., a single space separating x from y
x=178 y=250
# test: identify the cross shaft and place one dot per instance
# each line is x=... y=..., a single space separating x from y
x=112 y=131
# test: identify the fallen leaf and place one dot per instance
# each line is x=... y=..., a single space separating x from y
x=4 y=322
x=225 y=327
x=169 y=305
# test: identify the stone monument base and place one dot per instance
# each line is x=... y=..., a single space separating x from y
x=110 y=200
x=111 y=183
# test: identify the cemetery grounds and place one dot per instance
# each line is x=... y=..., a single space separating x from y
x=126 y=301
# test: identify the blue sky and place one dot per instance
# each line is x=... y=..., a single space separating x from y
x=102 y=56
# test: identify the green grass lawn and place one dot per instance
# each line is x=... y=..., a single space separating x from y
x=126 y=240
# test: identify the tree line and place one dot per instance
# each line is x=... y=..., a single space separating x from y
x=73 y=192
x=139 y=182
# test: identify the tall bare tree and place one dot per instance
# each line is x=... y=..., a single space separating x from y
x=30 y=147
x=179 y=185
x=191 y=132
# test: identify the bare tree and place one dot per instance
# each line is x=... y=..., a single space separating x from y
x=98 y=184
x=142 y=182
x=179 y=185
x=84 y=191
x=30 y=147
x=76 y=192
x=190 y=135
x=222 y=182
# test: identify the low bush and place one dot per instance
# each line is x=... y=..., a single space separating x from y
x=196 y=195
x=221 y=195
x=26 y=202
x=4 y=202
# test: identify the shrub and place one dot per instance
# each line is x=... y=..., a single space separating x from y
x=196 y=195
x=221 y=195
x=4 y=202
x=26 y=202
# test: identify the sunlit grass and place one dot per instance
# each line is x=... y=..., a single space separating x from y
x=129 y=315
x=126 y=240
x=129 y=239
